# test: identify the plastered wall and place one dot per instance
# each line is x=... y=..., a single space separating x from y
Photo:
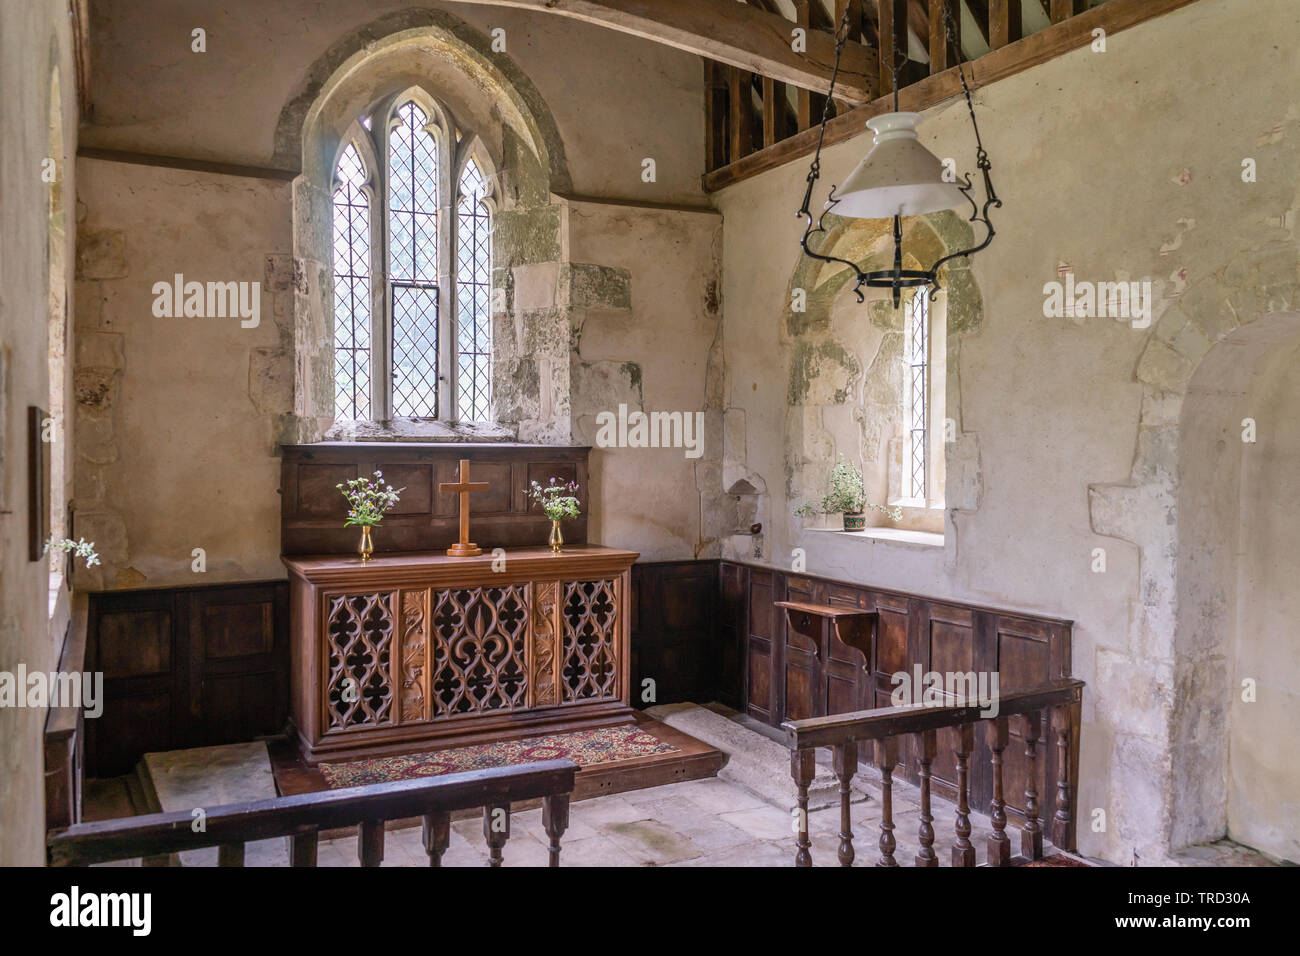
x=35 y=45
x=606 y=301
x=1118 y=165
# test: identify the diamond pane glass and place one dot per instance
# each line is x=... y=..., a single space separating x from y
x=351 y=290
x=473 y=298
x=915 y=463
x=415 y=350
x=412 y=197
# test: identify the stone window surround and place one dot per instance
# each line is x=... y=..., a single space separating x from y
x=456 y=148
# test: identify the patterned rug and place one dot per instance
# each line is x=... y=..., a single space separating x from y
x=1058 y=859
x=583 y=747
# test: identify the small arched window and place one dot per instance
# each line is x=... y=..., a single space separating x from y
x=414 y=342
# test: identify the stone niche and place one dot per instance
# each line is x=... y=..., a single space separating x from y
x=846 y=388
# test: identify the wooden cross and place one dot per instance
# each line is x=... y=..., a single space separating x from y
x=464 y=548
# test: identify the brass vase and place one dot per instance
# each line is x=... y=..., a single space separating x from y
x=366 y=548
x=556 y=540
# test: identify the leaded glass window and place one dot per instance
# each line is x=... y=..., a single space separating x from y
x=916 y=348
x=351 y=290
x=473 y=298
x=413 y=262
x=411 y=208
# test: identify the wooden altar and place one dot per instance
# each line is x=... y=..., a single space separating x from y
x=423 y=650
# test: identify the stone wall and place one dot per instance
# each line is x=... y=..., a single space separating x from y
x=1068 y=439
x=181 y=416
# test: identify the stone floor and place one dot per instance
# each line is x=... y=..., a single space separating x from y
x=712 y=822
x=695 y=823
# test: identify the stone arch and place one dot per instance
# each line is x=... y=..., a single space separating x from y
x=485 y=105
x=466 y=50
x=831 y=377
x=1169 y=692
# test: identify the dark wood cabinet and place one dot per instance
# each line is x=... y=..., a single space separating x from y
x=184 y=668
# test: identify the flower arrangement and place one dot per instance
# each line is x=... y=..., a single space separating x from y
x=557 y=499
x=369 y=499
x=81 y=548
x=848 y=496
x=559 y=502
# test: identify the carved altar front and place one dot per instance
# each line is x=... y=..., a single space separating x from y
x=418 y=649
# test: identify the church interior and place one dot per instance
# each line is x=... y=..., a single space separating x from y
x=688 y=433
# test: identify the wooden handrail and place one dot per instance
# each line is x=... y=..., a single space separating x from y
x=883 y=726
x=304 y=816
x=882 y=722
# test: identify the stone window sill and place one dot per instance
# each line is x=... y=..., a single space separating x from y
x=419 y=431
x=916 y=539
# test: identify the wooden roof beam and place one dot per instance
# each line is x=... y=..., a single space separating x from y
x=733 y=33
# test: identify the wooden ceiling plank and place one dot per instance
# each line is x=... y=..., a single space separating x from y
x=941 y=52
x=1004 y=23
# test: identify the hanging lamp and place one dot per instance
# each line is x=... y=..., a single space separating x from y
x=898 y=177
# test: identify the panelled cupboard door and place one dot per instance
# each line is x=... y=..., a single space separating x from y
x=186 y=667
x=238 y=672
x=760 y=648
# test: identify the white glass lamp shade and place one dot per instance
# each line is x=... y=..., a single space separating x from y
x=899 y=177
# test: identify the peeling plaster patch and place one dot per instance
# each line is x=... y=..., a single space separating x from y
x=821 y=373
x=101 y=254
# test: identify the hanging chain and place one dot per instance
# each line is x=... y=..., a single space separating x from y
x=898 y=278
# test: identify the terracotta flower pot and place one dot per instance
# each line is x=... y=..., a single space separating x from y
x=854 y=521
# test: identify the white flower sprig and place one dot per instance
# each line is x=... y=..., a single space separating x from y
x=82 y=548
x=369 y=499
x=556 y=499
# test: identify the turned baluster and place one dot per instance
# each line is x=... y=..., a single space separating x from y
x=436 y=835
x=230 y=854
x=999 y=845
x=302 y=848
x=845 y=763
x=886 y=760
x=1031 y=834
x=927 y=742
x=1062 y=820
x=555 y=820
x=803 y=764
x=496 y=830
x=963 y=853
x=370 y=842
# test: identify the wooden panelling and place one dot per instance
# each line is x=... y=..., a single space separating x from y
x=135 y=642
x=676 y=635
x=313 y=508
x=787 y=680
x=183 y=668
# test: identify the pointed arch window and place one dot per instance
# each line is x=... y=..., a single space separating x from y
x=473 y=296
x=352 y=320
x=412 y=209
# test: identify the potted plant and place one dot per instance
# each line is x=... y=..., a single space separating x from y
x=369 y=499
x=847 y=497
x=558 y=502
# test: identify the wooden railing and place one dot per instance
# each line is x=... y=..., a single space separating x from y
x=754 y=123
x=302 y=819
x=885 y=726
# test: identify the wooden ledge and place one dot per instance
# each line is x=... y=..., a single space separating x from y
x=853 y=626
